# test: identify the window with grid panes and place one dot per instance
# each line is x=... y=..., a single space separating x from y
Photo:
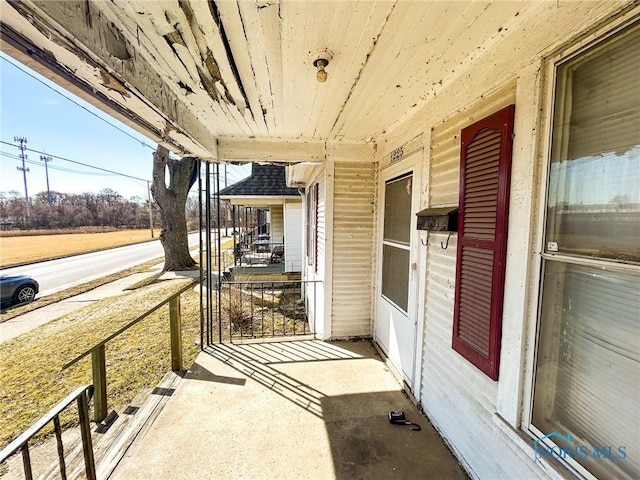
x=587 y=376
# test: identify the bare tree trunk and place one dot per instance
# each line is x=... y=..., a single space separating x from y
x=172 y=202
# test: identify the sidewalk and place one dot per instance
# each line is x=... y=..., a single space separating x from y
x=24 y=323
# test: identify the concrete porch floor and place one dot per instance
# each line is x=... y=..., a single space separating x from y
x=301 y=409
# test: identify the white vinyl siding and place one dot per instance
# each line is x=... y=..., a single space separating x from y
x=276 y=229
x=480 y=419
x=444 y=167
x=353 y=244
x=293 y=236
x=461 y=404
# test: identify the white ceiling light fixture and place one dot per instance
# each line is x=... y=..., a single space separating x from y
x=320 y=59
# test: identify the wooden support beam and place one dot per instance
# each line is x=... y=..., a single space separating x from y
x=292 y=150
x=278 y=150
x=175 y=322
x=99 y=369
x=26 y=462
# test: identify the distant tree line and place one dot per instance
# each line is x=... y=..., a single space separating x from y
x=106 y=208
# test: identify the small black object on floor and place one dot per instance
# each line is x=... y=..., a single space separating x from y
x=396 y=417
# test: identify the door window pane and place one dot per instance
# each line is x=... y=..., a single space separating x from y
x=397 y=210
x=396 y=241
x=395 y=275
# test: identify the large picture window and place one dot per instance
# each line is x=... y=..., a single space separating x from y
x=396 y=240
x=587 y=378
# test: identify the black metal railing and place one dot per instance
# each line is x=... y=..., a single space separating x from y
x=82 y=395
x=259 y=309
x=260 y=252
x=249 y=235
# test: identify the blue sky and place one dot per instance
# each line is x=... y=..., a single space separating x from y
x=55 y=125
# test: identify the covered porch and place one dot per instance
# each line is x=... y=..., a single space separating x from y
x=275 y=242
x=296 y=409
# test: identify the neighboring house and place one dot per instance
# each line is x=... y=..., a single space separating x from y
x=525 y=116
x=266 y=189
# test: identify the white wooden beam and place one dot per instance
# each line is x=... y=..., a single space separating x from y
x=268 y=150
x=351 y=152
x=292 y=150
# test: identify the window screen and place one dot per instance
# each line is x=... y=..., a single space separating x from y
x=396 y=241
x=395 y=275
x=397 y=210
x=312 y=226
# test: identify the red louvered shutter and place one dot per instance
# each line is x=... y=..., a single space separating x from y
x=485 y=172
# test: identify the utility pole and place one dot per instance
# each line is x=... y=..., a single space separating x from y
x=46 y=159
x=23 y=146
x=150 y=208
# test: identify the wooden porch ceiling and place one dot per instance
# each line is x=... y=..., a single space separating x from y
x=234 y=80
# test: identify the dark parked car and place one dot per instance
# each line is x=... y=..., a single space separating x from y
x=17 y=289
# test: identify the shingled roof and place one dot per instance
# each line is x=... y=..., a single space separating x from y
x=265 y=180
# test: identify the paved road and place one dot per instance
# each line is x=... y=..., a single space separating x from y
x=56 y=275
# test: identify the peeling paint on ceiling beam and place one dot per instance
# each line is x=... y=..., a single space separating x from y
x=112 y=83
x=215 y=13
x=27 y=52
x=39 y=41
x=211 y=74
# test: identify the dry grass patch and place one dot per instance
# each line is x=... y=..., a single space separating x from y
x=31 y=365
x=58 y=231
x=34 y=248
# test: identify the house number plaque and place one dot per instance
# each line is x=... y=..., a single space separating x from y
x=397 y=154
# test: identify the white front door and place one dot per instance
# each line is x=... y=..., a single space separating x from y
x=395 y=327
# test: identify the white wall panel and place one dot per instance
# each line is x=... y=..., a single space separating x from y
x=353 y=243
x=293 y=236
x=463 y=406
x=460 y=400
x=444 y=166
x=276 y=229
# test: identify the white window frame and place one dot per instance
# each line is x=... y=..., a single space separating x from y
x=550 y=66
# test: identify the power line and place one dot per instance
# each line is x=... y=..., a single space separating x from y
x=144 y=144
x=56 y=167
x=76 y=162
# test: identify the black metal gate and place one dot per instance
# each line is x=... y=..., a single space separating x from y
x=236 y=310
